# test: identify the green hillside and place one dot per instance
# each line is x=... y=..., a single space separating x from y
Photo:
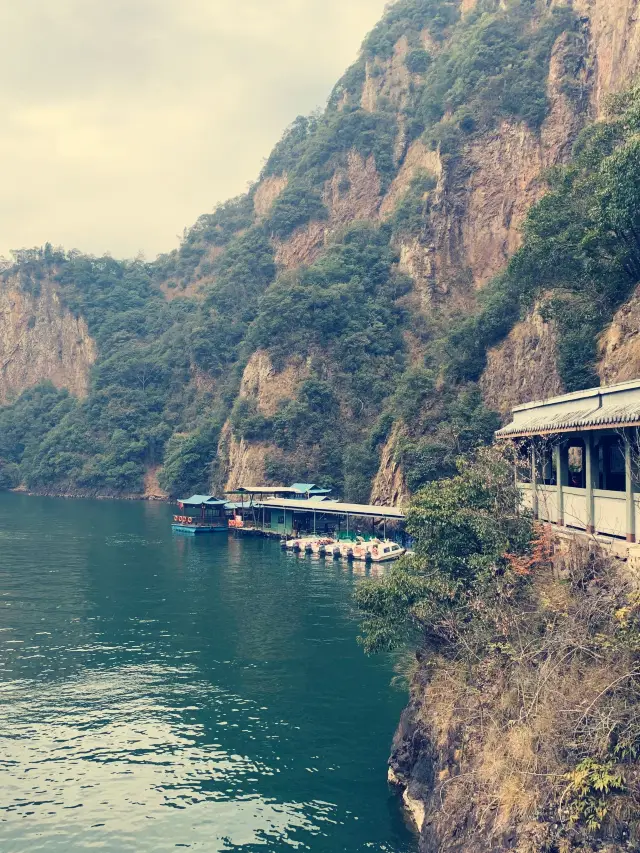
x=349 y=310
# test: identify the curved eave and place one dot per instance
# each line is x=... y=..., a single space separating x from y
x=568 y=427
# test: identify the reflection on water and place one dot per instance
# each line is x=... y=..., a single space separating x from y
x=160 y=692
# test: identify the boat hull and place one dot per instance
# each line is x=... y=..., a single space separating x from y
x=195 y=530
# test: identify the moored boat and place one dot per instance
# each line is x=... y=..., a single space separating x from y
x=367 y=550
x=371 y=550
x=200 y=514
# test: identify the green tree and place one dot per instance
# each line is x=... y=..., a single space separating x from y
x=464 y=528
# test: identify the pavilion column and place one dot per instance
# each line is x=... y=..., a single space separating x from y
x=628 y=476
x=534 y=480
x=560 y=467
x=588 y=480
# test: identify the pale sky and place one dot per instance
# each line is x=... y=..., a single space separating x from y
x=121 y=121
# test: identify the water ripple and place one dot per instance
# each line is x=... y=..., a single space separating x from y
x=158 y=692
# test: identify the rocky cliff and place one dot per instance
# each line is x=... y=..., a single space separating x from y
x=323 y=301
x=41 y=340
x=481 y=196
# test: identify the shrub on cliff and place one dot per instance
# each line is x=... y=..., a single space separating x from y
x=463 y=527
x=526 y=699
x=295 y=206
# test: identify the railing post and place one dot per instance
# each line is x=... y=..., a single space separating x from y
x=628 y=476
x=534 y=480
x=557 y=451
x=588 y=481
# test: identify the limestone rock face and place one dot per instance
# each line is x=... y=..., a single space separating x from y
x=353 y=193
x=267 y=192
x=389 y=486
x=389 y=79
x=523 y=368
x=268 y=386
x=614 y=29
x=484 y=203
x=244 y=460
x=40 y=339
x=619 y=345
x=302 y=248
x=241 y=461
x=418 y=158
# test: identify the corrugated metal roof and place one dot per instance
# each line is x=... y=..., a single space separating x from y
x=335 y=508
x=296 y=489
x=260 y=490
x=596 y=408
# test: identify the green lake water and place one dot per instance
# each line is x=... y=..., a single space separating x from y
x=159 y=691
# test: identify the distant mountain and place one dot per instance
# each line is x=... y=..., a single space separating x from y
x=382 y=295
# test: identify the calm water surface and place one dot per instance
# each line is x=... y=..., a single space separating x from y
x=162 y=692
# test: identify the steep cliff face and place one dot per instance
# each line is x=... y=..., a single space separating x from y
x=242 y=462
x=41 y=340
x=389 y=486
x=523 y=368
x=614 y=49
x=484 y=200
x=267 y=192
x=619 y=345
x=268 y=386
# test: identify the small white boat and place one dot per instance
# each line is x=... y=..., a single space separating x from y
x=323 y=545
x=368 y=550
x=310 y=544
x=385 y=550
x=372 y=550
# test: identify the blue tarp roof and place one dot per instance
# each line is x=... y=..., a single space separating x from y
x=305 y=488
x=198 y=500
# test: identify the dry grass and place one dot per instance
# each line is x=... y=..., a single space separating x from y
x=512 y=720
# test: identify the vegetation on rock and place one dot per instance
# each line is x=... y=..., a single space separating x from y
x=581 y=253
x=523 y=728
x=168 y=372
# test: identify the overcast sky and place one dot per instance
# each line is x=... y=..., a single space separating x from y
x=121 y=121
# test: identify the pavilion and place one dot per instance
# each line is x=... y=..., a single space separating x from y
x=582 y=452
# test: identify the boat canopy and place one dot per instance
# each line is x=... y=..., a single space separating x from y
x=201 y=500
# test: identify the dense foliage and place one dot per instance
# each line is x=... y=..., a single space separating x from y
x=495 y=65
x=526 y=686
x=168 y=370
x=581 y=254
x=295 y=206
x=140 y=390
x=463 y=527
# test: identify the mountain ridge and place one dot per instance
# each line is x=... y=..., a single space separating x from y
x=375 y=229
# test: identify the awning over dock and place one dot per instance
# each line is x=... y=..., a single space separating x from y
x=281 y=491
x=327 y=507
